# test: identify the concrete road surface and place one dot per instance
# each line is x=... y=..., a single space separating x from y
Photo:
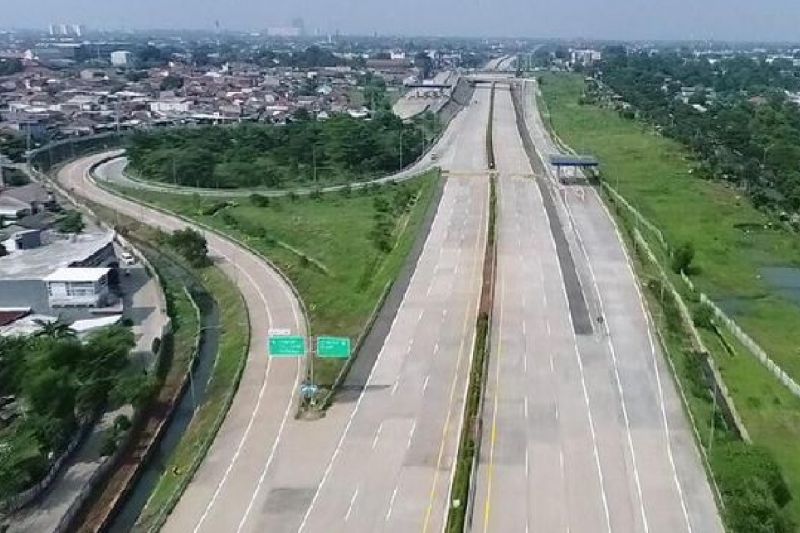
x=266 y=469
x=581 y=432
x=393 y=467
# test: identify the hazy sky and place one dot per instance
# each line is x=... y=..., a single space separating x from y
x=615 y=19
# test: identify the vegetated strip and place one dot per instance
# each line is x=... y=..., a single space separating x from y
x=381 y=254
x=354 y=374
x=222 y=386
x=462 y=490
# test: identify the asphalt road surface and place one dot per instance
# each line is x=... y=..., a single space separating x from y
x=581 y=432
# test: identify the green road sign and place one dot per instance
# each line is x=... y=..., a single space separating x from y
x=287 y=346
x=333 y=347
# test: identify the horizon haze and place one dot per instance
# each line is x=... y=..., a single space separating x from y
x=722 y=20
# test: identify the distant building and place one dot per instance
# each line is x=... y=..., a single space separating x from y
x=66 y=272
x=585 y=57
x=121 y=58
x=284 y=31
x=171 y=105
x=77 y=287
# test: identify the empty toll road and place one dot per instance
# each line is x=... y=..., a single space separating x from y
x=392 y=470
x=583 y=431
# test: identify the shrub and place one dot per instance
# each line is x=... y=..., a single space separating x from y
x=682 y=258
x=259 y=200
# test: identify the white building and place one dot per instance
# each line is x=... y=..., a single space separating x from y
x=171 y=105
x=585 y=57
x=77 y=287
x=121 y=58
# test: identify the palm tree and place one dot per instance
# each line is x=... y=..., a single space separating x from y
x=56 y=329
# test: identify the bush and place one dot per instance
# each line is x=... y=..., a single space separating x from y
x=752 y=487
x=71 y=222
x=682 y=258
x=703 y=316
x=259 y=200
x=191 y=245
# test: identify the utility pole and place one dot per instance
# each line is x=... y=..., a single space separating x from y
x=401 y=148
x=314 y=160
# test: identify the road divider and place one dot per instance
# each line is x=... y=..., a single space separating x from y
x=462 y=490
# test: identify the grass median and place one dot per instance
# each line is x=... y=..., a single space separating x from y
x=733 y=241
x=340 y=249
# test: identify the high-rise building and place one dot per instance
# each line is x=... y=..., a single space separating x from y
x=121 y=58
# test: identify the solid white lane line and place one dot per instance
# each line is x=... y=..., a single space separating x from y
x=350 y=507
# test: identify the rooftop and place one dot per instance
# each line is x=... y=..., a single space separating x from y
x=560 y=160
x=78 y=274
x=39 y=262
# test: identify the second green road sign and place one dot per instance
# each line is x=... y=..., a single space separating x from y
x=287 y=346
x=333 y=347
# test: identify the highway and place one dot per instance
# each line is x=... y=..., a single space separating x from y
x=393 y=467
x=583 y=430
x=265 y=397
x=284 y=488
x=268 y=471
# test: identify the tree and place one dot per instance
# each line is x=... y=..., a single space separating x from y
x=259 y=200
x=171 y=82
x=10 y=66
x=55 y=329
x=682 y=258
x=191 y=245
x=71 y=222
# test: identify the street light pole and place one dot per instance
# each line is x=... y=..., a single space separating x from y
x=401 y=147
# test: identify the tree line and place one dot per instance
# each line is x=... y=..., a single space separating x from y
x=338 y=149
x=735 y=114
x=50 y=384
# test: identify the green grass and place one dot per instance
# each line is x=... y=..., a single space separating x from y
x=653 y=174
x=345 y=275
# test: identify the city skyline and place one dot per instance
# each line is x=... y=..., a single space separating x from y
x=735 y=20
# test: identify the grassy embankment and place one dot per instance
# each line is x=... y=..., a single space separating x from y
x=653 y=174
x=325 y=244
x=231 y=356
